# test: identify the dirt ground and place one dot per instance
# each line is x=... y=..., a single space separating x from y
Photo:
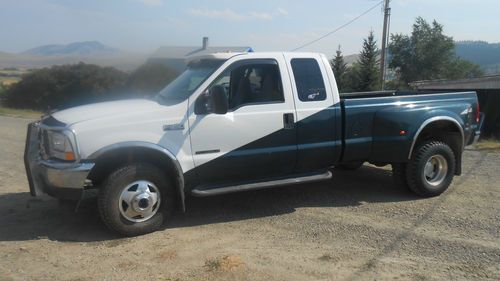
x=358 y=226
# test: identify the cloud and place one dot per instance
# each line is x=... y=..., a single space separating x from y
x=152 y=2
x=261 y=16
x=228 y=14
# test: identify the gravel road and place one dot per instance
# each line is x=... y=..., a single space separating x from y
x=358 y=226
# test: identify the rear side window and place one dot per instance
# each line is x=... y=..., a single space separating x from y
x=308 y=79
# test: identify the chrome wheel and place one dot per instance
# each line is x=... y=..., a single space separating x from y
x=435 y=170
x=139 y=201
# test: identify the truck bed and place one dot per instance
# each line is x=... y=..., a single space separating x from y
x=372 y=121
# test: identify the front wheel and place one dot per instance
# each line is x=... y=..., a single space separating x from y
x=431 y=169
x=135 y=199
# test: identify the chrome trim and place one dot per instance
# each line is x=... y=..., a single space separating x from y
x=173 y=127
x=435 y=119
x=64 y=176
x=148 y=145
x=261 y=185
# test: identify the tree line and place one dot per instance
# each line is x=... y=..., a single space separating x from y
x=425 y=54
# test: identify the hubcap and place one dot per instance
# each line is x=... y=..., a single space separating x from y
x=139 y=201
x=435 y=170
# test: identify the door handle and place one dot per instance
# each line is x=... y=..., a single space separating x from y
x=288 y=121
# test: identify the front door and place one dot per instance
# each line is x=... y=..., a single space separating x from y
x=256 y=138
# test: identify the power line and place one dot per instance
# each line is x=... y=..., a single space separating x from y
x=339 y=28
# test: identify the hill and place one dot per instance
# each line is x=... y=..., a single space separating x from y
x=87 y=48
x=125 y=61
x=487 y=55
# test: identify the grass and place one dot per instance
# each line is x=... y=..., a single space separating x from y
x=7 y=81
x=488 y=144
x=22 y=113
x=9 y=77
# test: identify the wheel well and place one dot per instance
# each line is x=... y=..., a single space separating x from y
x=445 y=131
x=112 y=160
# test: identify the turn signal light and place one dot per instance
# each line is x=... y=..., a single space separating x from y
x=402 y=132
x=69 y=156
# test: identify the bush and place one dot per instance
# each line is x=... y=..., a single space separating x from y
x=66 y=86
x=150 y=78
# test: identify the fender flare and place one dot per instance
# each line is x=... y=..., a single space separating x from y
x=432 y=120
x=179 y=175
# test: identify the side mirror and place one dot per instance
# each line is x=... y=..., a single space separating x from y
x=218 y=98
x=212 y=101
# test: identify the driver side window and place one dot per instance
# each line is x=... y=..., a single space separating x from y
x=251 y=83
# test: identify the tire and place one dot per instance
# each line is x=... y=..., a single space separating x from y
x=349 y=166
x=431 y=169
x=399 y=174
x=132 y=188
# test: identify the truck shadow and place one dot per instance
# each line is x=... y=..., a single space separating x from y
x=24 y=218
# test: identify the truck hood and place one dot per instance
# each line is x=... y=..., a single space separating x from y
x=105 y=109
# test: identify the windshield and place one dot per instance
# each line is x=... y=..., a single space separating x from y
x=186 y=83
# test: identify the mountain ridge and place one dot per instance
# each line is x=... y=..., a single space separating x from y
x=83 y=48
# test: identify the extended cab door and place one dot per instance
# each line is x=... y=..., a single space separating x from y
x=318 y=113
x=256 y=138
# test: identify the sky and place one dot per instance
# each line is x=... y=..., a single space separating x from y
x=265 y=25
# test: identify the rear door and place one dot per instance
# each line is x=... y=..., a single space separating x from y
x=318 y=144
x=252 y=141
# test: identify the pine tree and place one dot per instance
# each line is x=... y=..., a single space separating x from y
x=368 y=62
x=339 y=67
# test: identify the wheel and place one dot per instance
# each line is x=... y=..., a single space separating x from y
x=431 y=169
x=135 y=199
x=349 y=166
x=399 y=174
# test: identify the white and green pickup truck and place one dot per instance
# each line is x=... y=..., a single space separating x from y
x=240 y=121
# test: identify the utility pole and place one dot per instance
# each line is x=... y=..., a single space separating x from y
x=385 y=40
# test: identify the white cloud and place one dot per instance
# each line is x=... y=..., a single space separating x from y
x=228 y=14
x=261 y=16
x=152 y=2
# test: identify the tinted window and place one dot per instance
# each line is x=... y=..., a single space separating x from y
x=308 y=79
x=252 y=83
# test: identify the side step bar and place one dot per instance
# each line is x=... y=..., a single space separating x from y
x=203 y=191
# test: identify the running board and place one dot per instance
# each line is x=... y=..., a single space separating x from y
x=203 y=191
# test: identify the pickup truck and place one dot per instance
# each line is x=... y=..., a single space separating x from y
x=240 y=121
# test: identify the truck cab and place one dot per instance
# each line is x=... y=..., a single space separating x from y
x=238 y=121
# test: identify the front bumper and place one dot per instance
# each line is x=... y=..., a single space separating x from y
x=55 y=178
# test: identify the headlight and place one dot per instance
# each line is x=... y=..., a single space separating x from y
x=60 y=146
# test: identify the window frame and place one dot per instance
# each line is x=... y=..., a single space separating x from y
x=240 y=63
x=296 y=80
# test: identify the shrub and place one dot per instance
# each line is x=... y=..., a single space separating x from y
x=150 y=78
x=65 y=86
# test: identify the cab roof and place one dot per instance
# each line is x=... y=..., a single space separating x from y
x=228 y=55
